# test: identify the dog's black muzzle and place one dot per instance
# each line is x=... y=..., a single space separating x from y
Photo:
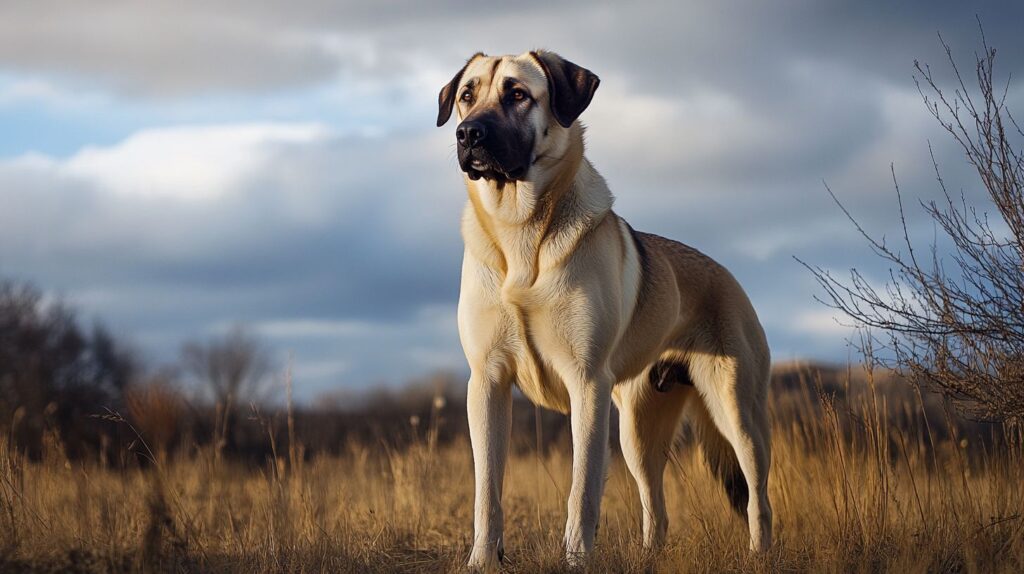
x=490 y=152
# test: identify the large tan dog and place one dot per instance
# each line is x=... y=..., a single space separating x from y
x=561 y=297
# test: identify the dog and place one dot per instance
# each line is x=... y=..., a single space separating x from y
x=565 y=300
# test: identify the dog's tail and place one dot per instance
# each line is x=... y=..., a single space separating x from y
x=720 y=457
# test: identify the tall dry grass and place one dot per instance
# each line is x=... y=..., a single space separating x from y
x=861 y=485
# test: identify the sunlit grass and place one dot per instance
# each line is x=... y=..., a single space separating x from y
x=854 y=488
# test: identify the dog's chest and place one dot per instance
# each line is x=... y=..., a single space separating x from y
x=521 y=281
x=532 y=348
x=525 y=328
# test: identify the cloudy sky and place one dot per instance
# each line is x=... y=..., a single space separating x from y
x=172 y=168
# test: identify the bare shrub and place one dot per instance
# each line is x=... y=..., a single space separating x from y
x=952 y=319
x=156 y=408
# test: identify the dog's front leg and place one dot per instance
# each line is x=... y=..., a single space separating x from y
x=489 y=405
x=590 y=401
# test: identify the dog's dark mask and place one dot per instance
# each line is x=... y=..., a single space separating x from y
x=496 y=140
x=496 y=143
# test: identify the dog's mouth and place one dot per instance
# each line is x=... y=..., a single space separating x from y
x=486 y=168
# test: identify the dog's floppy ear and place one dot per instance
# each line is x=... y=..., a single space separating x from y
x=570 y=87
x=446 y=99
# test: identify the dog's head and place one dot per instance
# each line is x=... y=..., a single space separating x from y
x=513 y=111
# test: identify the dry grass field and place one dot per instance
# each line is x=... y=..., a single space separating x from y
x=862 y=484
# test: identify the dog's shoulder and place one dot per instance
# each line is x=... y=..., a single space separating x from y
x=691 y=270
x=675 y=252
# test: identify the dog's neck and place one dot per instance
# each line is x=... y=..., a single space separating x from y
x=509 y=223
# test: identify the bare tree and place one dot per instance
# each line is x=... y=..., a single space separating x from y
x=952 y=318
x=235 y=371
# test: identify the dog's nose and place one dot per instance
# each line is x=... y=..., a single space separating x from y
x=471 y=133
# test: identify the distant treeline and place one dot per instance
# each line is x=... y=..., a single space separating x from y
x=80 y=388
x=66 y=383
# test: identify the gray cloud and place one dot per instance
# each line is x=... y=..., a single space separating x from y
x=156 y=48
x=168 y=49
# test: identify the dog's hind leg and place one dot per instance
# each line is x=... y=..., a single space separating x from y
x=735 y=435
x=648 y=421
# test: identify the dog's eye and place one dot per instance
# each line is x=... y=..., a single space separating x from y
x=467 y=96
x=518 y=95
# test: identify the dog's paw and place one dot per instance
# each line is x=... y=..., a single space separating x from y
x=576 y=561
x=576 y=552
